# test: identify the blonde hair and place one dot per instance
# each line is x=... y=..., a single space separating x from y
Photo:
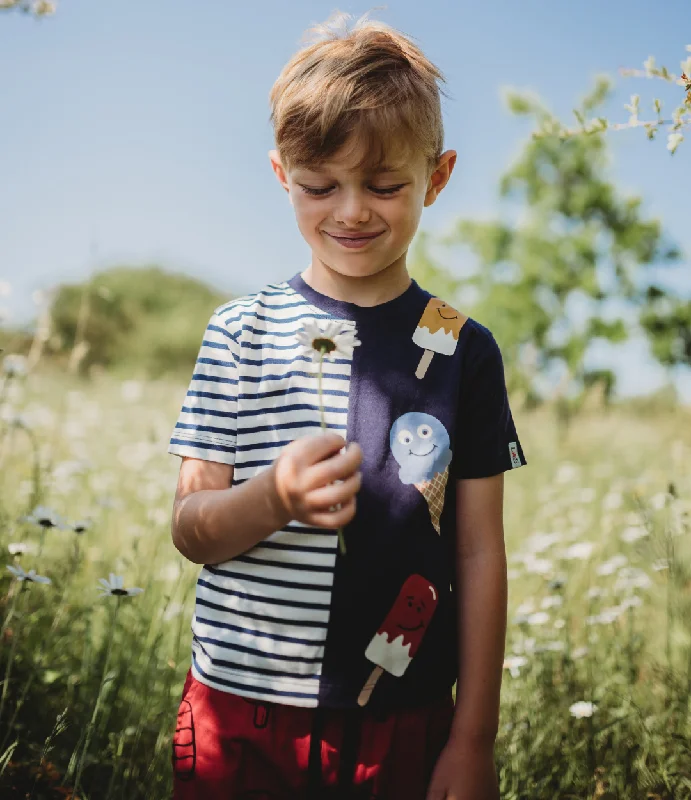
x=371 y=81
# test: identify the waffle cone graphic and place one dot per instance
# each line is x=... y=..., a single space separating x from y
x=433 y=492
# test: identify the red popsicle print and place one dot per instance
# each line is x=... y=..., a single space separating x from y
x=398 y=638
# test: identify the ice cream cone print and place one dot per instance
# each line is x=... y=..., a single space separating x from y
x=437 y=332
x=433 y=492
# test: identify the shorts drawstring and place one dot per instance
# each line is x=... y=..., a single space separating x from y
x=314 y=762
x=350 y=746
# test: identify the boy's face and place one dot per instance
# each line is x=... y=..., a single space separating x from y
x=388 y=203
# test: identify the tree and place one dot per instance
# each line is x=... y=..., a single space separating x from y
x=577 y=237
x=680 y=117
x=39 y=8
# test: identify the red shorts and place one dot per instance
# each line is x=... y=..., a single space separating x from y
x=228 y=747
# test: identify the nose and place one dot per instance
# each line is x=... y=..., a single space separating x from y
x=352 y=210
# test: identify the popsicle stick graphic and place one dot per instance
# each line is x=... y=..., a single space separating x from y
x=398 y=638
x=437 y=332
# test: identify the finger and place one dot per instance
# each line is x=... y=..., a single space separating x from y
x=322 y=498
x=335 y=519
x=337 y=467
x=321 y=446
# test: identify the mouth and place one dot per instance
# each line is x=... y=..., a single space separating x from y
x=416 y=628
x=443 y=317
x=423 y=454
x=354 y=241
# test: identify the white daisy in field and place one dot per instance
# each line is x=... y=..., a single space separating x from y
x=514 y=664
x=30 y=576
x=113 y=587
x=19 y=548
x=45 y=517
x=337 y=338
x=14 y=364
x=633 y=533
x=81 y=525
x=582 y=709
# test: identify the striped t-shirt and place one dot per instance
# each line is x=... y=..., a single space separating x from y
x=291 y=620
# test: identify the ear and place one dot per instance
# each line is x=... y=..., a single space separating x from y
x=277 y=167
x=440 y=177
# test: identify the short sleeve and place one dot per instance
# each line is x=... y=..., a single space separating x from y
x=207 y=423
x=486 y=442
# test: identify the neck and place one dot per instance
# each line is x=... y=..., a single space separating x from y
x=365 y=290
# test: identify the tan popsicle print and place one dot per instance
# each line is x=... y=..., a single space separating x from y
x=437 y=332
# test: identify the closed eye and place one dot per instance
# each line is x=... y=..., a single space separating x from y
x=388 y=190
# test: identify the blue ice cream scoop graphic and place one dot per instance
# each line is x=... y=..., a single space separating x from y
x=420 y=444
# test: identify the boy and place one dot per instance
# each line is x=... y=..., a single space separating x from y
x=317 y=673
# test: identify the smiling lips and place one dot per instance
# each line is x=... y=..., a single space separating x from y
x=354 y=241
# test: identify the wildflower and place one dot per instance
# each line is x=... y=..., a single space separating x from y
x=113 y=587
x=582 y=709
x=339 y=337
x=551 y=601
x=633 y=533
x=31 y=575
x=45 y=517
x=14 y=364
x=538 y=618
x=18 y=548
x=514 y=663
x=81 y=526
x=541 y=566
x=632 y=578
x=612 y=564
x=581 y=550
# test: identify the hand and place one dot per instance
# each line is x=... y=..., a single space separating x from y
x=303 y=472
x=464 y=772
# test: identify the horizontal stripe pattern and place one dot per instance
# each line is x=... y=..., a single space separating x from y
x=261 y=618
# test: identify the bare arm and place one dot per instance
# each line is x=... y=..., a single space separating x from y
x=213 y=523
x=310 y=481
x=482 y=608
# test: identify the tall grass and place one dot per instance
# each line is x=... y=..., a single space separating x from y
x=596 y=692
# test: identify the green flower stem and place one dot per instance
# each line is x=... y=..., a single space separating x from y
x=341 y=540
x=92 y=722
x=13 y=647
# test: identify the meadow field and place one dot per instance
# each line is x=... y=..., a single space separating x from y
x=596 y=692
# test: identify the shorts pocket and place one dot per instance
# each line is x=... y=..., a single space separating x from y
x=184 y=746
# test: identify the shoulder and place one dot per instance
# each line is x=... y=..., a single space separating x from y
x=480 y=346
x=261 y=304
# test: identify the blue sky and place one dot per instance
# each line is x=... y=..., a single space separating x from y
x=138 y=132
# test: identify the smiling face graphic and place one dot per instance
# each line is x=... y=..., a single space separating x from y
x=420 y=444
x=440 y=315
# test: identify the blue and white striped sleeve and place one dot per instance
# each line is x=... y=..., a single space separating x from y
x=207 y=423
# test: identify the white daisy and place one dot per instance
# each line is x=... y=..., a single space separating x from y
x=582 y=709
x=45 y=517
x=81 y=525
x=338 y=337
x=113 y=587
x=14 y=364
x=31 y=575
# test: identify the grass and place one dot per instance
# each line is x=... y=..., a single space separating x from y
x=595 y=698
